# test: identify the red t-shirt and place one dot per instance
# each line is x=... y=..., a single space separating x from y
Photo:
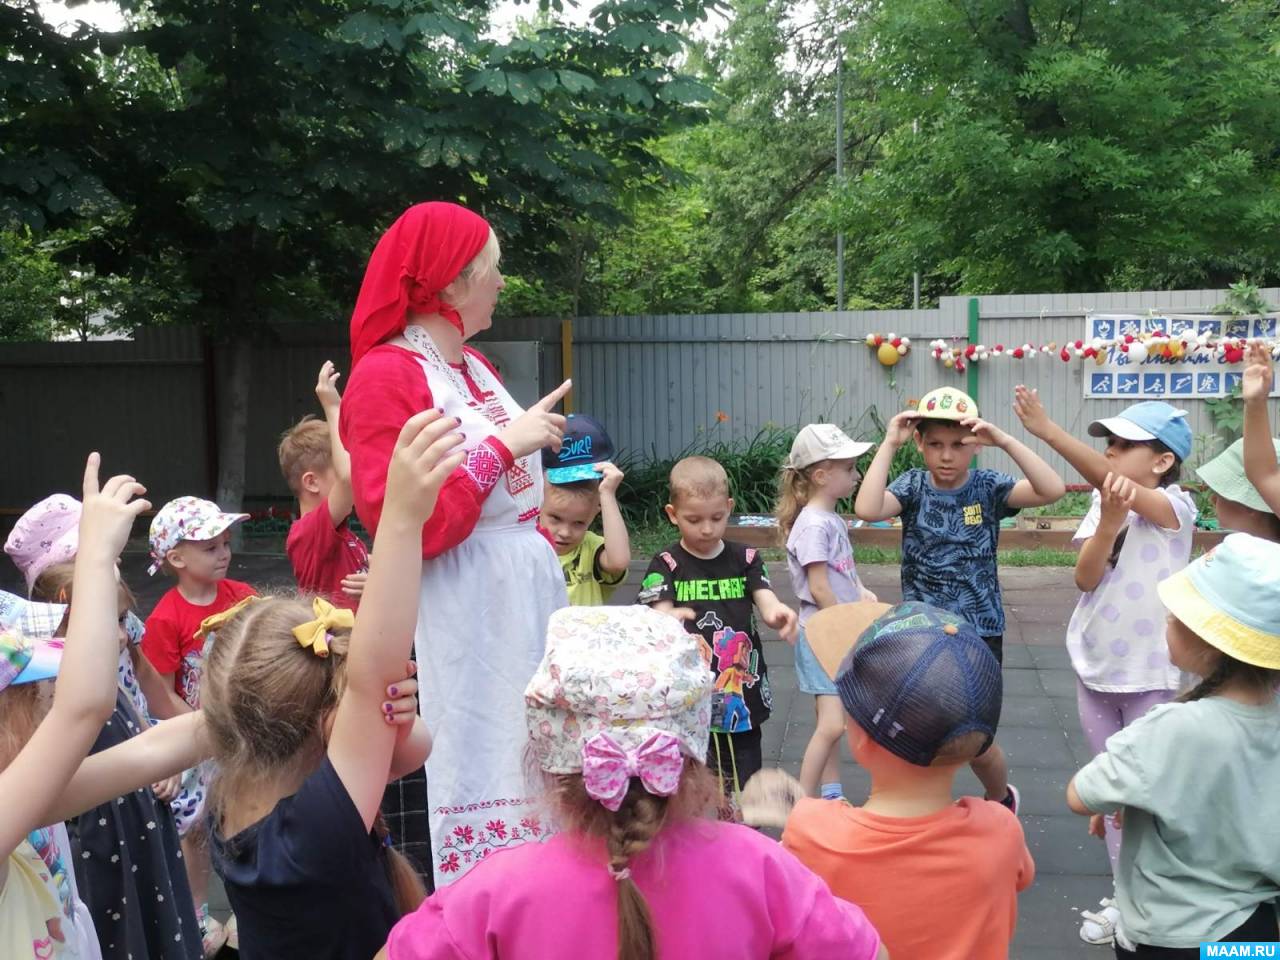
x=170 y=639
x=322 y=554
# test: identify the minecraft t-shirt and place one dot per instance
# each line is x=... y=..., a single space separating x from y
x=719 y=593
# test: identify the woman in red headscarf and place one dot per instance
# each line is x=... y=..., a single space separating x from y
x=490 y=580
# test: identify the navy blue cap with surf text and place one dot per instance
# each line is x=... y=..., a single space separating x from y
x=585 y=444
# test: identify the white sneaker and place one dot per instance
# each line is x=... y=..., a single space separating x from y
x=1099 y=928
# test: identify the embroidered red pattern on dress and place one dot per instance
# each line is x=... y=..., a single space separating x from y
x=467 y=843
x=483 y=465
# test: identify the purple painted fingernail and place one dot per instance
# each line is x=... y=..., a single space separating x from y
x=393 y=691
x=387 y=707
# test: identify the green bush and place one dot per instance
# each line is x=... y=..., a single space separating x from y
x=754 y=467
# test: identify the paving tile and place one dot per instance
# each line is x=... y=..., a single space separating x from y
x=1035 y=710
x=1058 y=682
x=1036 y=748
x=1049 y=917
x=1061 y=845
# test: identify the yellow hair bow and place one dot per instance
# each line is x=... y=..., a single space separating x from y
x=314 y=634
x=211 y=624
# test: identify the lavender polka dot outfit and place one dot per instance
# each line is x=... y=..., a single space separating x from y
x=1116 y=636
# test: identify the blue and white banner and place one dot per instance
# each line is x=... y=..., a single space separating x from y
x=1199 y=375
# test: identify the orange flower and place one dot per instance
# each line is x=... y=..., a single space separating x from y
x=721 y=417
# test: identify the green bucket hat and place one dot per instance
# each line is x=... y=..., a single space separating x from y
x=1224 y=475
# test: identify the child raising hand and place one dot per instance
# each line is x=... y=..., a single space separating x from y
x=1260 y=464
x=293 y=699
x=45 y=740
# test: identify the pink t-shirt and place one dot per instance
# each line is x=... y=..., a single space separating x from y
x=715 y=891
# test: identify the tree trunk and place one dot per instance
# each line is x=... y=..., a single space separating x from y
x=235 y=365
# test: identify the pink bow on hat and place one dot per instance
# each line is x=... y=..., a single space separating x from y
x=607 y=767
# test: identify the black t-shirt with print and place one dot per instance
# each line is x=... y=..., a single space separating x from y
x=719 y=591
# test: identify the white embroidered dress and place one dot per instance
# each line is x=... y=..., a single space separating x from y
x=484 y=607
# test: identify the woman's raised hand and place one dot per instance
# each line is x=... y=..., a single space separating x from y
x=537 y=427
x=109 y=512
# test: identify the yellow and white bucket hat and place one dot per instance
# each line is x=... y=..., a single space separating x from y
x=1231 y=599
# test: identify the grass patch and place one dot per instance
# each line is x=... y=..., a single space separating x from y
x=1041 y=557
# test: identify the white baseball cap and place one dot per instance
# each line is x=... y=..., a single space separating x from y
x=823 y=441
x=187 y=518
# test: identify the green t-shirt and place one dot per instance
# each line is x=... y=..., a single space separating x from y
x=1200 y=847
x=588 y=585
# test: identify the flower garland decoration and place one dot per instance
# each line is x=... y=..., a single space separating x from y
x=1156 y=344
x=889 y=347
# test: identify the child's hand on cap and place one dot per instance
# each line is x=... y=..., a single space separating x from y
x=327 y=386
x=983 y=434
x=109 y=512
x=900 y=427
x=610 y=477
x=421 y=461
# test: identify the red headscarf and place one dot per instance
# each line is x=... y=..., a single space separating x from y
x=422 y=253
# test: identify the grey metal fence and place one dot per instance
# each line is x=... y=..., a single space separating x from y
x=662 y=384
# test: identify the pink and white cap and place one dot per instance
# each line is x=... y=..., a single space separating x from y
x=46 y=534
x=186 y=518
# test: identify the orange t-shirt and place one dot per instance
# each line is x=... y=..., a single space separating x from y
x=944 y=886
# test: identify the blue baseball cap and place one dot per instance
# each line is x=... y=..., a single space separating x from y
x=914 y=677
x=585 y=444
x=1149 y=420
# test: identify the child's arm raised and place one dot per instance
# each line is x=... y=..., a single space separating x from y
x=617 y=542
x=85 y=692
x=1259 y=452
x=1088 y=462
x=874 y=501
x=157 y=753
x=1117 y=493
x=1041 y=485
x=361 y=744
x=340 y=498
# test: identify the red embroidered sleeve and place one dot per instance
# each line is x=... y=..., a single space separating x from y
x=386 y=388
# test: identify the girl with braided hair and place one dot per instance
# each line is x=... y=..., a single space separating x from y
x=304 y=739
x=619 y=717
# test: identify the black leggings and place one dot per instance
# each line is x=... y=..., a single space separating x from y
x=1260 y=927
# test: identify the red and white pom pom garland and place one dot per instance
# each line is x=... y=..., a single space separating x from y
x=1138 y=348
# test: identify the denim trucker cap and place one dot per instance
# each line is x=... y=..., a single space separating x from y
x=1149 y=420
x=914 y=678
x=585 y=444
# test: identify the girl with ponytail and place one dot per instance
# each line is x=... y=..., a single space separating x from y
x=305 y=740
x=619 y=717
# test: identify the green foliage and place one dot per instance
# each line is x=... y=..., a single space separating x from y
x=1243 y=299
x=754 y=467
x=29 y=280
x=1227 y=414
x=1074 y=504
x=248 y=154
x=1079 y=146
